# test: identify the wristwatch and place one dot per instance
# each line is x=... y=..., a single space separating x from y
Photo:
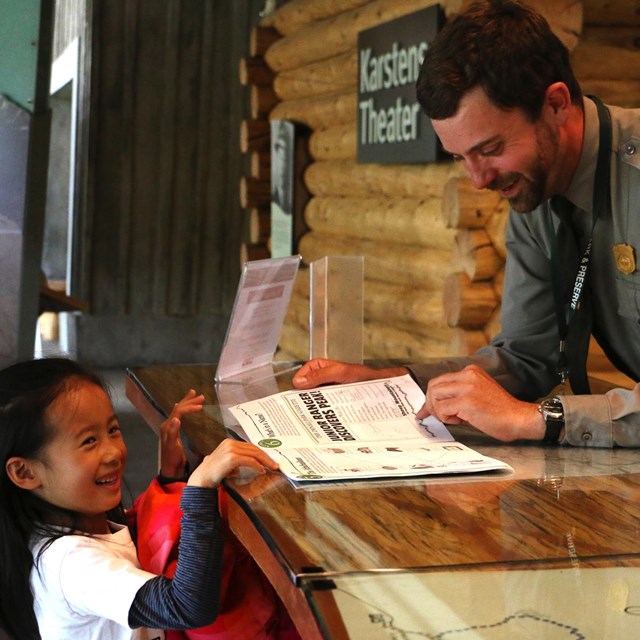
x=553 y=413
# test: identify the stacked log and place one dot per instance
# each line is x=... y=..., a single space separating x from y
x=607 y=57
x=255 y=188
x=391 y=216
x=433 y=283
x=471 y=300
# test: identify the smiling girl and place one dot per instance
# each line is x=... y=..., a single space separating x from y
x=66 y=569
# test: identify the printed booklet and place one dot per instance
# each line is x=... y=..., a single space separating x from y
x=355 y=431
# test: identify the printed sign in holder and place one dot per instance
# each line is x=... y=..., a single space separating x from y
x=256 y=320
x=246 y=369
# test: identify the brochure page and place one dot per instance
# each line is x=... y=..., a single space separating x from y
x=359 y=430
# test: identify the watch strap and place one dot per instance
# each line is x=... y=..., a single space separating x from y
x=553 y=413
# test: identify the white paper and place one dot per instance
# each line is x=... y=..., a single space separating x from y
x=360 y=430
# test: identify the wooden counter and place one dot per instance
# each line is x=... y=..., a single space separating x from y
x=561 y=506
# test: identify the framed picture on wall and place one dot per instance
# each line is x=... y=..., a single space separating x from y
x=282 y=162
x=289 y=158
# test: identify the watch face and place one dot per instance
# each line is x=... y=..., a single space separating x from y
x=552 y=408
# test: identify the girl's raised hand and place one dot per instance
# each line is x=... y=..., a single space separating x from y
x=172 y=455
x=226 y=459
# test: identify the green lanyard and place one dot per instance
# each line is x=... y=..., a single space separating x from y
x=601 y=204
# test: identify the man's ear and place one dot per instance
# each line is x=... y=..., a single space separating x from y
x=558 y=98
x=22 y=473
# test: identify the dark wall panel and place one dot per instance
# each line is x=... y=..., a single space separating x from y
x=164 y=169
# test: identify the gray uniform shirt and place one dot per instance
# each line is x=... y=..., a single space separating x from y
x=523 y=357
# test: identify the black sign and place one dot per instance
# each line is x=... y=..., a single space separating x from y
x=391 y=125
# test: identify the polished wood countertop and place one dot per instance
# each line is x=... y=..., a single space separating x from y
x=561 y=505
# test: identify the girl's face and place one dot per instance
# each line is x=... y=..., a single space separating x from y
x=81 y=467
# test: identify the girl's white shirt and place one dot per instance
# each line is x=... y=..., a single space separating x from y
x=83 y=587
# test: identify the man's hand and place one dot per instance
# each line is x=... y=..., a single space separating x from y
x=472 y=396
x=322 y=371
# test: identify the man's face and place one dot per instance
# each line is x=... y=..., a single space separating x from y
x=502 y=150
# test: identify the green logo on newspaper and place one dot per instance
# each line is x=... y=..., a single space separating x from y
x=309 y=476
x=270 y=443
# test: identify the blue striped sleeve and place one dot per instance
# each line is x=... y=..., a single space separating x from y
x=191 y=598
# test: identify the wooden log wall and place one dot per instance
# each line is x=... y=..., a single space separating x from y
x=433 y=246
x=255 y=138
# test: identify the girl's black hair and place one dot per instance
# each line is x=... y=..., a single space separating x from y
x=27 y=390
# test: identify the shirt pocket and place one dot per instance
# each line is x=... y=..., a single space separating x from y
x=628 y=292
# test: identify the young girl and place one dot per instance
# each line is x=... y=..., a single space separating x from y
x=67 y=570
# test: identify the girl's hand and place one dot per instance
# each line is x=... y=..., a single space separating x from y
x=226 y=459
x=172 y=456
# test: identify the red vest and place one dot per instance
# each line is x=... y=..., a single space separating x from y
x=249 y=607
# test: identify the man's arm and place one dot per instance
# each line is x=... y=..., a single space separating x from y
x=604 y=420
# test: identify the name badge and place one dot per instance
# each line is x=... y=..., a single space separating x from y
x=625 y=258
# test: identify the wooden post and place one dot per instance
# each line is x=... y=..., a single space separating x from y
x=338 y=33
x=254 y=193
x=263 y=99
x=608 y=53
x=406 y=306
x=387 y=341
x=259 y=225
x=496 y=228
x=260 y=162
x=255 y=135
x=492 y=328
x=254 y=70
x=261 y=38
x=604 y=12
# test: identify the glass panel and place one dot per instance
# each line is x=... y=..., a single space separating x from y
x=465 y=605
x=258 y=314
x=337 y=301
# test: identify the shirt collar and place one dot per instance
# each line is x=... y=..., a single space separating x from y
x=580 y=191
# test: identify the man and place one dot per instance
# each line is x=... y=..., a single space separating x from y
x=502 y=97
